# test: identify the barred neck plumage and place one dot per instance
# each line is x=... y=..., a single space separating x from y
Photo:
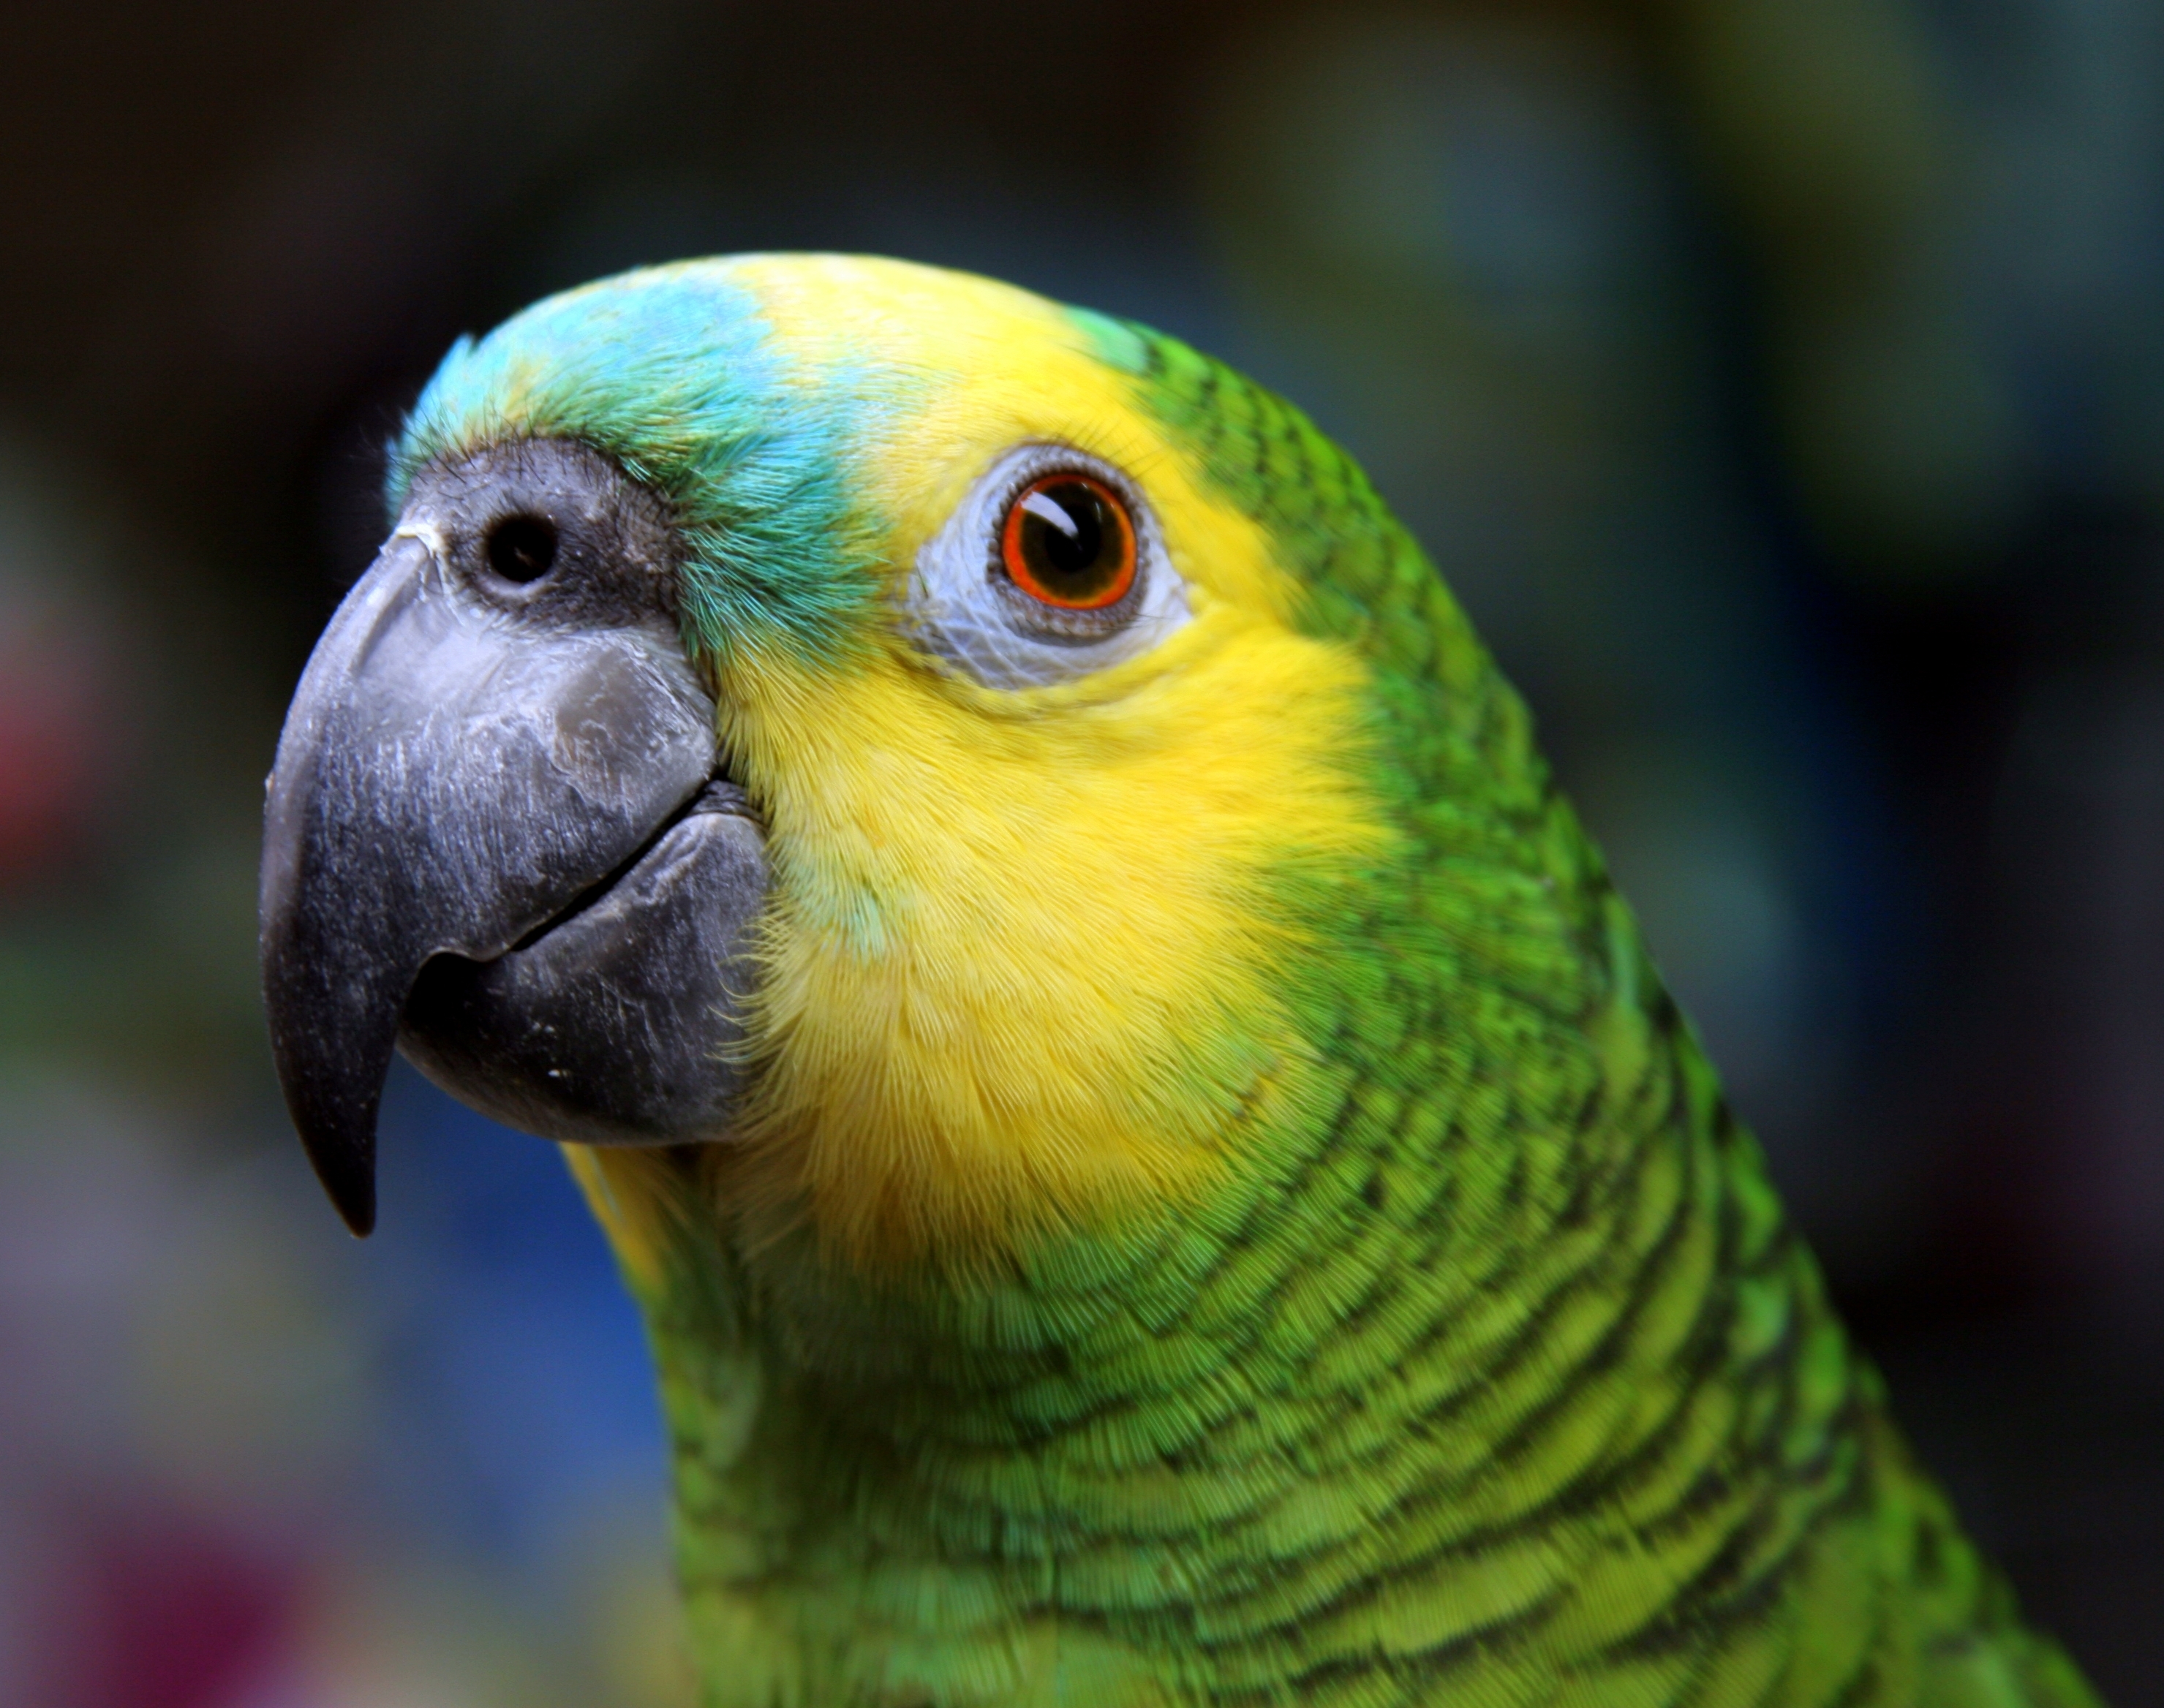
x=1479 y=1388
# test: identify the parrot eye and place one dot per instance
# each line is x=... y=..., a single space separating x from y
x=1069 y=544
x=521 y=548
x=1050 y=568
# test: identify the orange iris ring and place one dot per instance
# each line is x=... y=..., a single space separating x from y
x=1017 y=564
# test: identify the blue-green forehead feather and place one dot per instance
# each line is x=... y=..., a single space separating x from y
x=675 y=373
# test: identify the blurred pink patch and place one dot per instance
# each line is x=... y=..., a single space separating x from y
x=55 y=739
x=180 y=1613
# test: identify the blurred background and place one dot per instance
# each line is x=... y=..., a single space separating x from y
x=1779 y=382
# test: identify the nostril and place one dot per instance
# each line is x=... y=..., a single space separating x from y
x=522 y=547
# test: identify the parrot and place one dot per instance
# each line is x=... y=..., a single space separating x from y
x=1155 y=1165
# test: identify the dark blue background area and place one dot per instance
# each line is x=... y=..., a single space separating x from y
x=517 y=1389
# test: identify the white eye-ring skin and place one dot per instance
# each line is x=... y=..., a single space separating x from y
x=960 y=605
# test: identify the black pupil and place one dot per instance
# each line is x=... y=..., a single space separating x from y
x=522 y=547
x=1069 y=538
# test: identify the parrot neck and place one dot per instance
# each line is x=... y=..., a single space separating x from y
x=1434 y=1389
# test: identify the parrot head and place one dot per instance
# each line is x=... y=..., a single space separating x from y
x=834 y=713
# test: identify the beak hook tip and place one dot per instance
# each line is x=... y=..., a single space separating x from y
x=359 y=1215
x=345 y=1167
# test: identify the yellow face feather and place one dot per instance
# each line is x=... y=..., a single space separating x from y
x=1024 y=954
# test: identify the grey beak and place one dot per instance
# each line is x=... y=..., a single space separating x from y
x=468 y=758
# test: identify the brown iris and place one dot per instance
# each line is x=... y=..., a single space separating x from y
x=1069 y=543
